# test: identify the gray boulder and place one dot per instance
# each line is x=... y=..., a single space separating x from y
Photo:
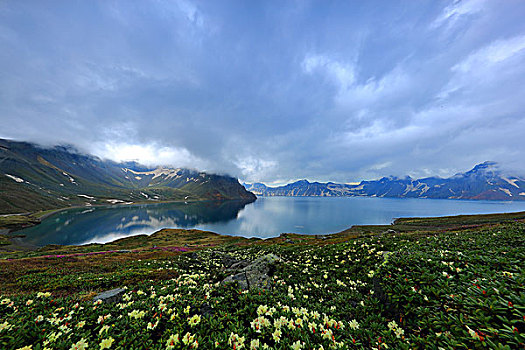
x=110 y=296
x=257 y=274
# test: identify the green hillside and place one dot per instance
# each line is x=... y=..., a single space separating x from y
x=34 y=178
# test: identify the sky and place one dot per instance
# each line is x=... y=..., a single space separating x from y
x=270 y=91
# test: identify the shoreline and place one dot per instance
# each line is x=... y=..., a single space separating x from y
x=47 y=213
x=33 y=219
x=398 y=225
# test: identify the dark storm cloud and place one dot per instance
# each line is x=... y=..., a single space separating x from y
x=270 y=91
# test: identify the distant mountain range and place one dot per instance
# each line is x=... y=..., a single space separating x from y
x=484 y=181
x=34 y=178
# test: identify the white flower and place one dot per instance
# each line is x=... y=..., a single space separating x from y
x=172 y=341
x=354 y=324
x=80 y=345
x=106 y=343
x=472 y=333
x=297 y=345
x=277 y=335
x=103 y=329
x=188 y=338
x=236 y=341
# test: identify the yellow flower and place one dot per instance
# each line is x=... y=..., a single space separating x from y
x=28 y=347
x=392 y=325
x=106 y=343
x=152 y=325
x=297 y=345
x=80 y=345
x=195 y=320
x=137 y=314
x=4 y=325
x=354 y=324
x=172 y=341
x=262 y=309
x=236 y=341
x=188 y=338
x=103 y=329
x=277 y=335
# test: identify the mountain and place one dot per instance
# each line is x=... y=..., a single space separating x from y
x=484 y=181
x=34 y=178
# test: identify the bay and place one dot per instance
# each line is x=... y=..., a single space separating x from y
x=267 y=217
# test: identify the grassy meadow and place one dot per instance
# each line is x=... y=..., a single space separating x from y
x=444 y=283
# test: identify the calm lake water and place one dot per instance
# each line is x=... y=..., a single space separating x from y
x=266 y=217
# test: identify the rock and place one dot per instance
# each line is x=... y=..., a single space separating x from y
x=391 y=231
x=226 y=259
x=288 y=240
x=110 y=296
x=239 y=265
x=257 y=274
x=229 y=261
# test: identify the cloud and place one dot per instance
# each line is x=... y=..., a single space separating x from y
x=330 y=92
x=151 y=154
x=341 y=73
x=458 y=10
x=492 y=54
x=252 y=168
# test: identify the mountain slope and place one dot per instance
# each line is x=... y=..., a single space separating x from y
x=484 y=181
x=34 y=178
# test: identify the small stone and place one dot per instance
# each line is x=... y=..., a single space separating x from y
x=110 y=296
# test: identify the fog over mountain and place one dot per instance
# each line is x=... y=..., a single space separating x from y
x=270 y=91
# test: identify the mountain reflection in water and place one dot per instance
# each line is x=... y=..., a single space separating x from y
x=105 y=224
x=264 y=218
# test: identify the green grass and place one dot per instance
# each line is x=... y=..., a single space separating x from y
x=17 y=221
x=452 y=288
x=4 y=240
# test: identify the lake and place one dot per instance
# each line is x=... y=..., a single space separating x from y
x=264 y=218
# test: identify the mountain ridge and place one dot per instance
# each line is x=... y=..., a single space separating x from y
x=34 y=178
x=484 y=182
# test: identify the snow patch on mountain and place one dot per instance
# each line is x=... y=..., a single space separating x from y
x=16 y=178
x=85 y=196
x=158 y=172
x=506 y=191
x=511 y=181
